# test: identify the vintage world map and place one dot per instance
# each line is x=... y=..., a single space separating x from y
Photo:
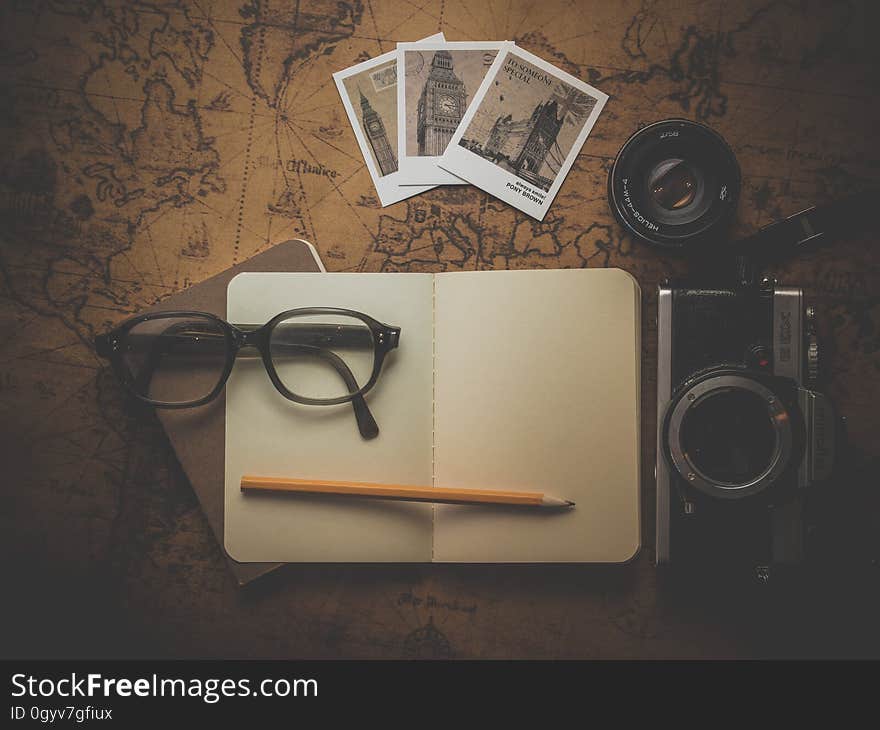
x=149 y=145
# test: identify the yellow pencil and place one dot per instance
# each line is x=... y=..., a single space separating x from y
x=403 y=492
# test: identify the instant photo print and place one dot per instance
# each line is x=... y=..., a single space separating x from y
x=369 y=95
x=523 y=131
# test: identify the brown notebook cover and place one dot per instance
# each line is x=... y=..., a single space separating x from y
x=198 y=435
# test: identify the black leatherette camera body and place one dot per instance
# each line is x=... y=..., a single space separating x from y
x=753 y=341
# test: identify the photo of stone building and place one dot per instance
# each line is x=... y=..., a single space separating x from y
x=438 y=86
x=527 y=145
x=377 y=136
x=373 y=96
x=528 y=127
x=441 y=106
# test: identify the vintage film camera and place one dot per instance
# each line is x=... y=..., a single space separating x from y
x=742 y=432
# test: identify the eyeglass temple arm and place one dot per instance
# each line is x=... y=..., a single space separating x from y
x=366 y=423
x=342 y=334
x=352 y=335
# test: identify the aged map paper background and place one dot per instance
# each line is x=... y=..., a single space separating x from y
x=148 y=145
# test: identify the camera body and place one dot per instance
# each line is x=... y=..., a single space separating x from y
x=741 y=433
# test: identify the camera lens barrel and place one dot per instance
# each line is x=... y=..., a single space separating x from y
x=674 y=184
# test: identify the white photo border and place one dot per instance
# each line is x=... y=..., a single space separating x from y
x=493 y=179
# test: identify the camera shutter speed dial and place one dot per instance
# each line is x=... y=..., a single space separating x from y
x=759 y=356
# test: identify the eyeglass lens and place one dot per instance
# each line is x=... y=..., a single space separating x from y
x=175 y=360
x=322 y=356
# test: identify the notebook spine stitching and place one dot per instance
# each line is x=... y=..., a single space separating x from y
x=433 y=401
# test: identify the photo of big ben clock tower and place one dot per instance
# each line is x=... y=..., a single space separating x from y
x=441 y=106
x=375 y=130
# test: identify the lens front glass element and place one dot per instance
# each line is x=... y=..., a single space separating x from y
x=675 y=189
x=322 y=356
x=673 y=184
x=728 y=436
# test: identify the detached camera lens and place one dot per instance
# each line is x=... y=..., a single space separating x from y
x=674 y=184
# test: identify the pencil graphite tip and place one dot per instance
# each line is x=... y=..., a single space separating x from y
x=557 y=502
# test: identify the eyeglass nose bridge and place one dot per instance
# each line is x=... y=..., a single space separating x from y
x=248 y=337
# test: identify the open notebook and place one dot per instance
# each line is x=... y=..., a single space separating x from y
x=502 y=380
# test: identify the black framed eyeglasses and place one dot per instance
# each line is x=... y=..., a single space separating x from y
x=318 y=356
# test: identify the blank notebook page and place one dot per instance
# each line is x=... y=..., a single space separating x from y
x=536 y=382
x=268 y=435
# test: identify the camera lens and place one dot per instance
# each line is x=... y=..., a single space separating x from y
x=729 y=437
x=674 y=184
